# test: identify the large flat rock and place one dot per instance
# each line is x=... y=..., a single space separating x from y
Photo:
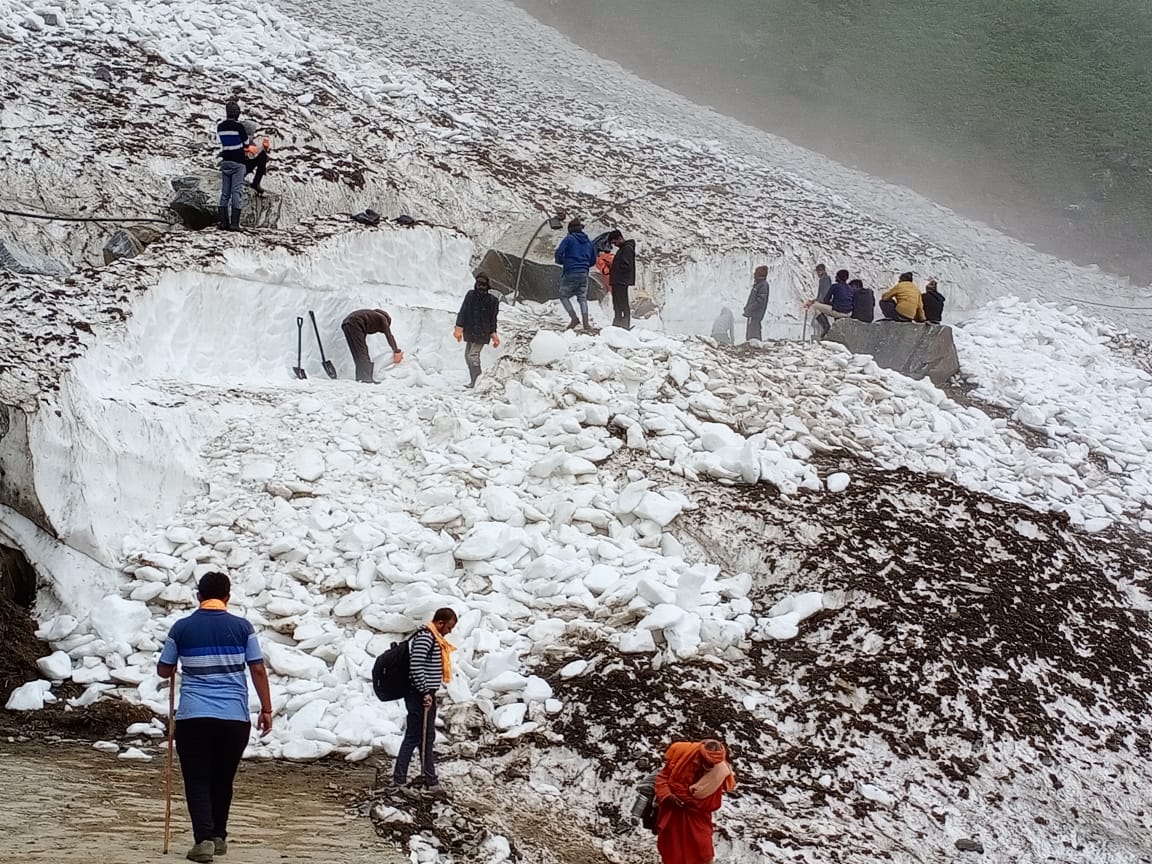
x=915 y=350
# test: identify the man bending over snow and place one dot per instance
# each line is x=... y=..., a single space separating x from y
x=357 y=327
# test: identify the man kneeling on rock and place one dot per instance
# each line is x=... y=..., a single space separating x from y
x=430 y=666
x=357 y=327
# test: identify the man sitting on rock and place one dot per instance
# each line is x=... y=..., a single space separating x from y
x=839 y=303
x=933 y=302
x=902 y=301
x=357 y=327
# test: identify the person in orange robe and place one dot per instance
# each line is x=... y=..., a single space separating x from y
x=689 y=789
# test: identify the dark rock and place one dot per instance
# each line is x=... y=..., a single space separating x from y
x=121 y=245
x=966 y=845
x=144 y=234
x=915 y=350
x=102 y=73
x=197 y=197
x=191 y=206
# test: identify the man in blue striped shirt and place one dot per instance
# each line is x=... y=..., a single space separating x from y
x=429 y=667
x=212 y=722
x=233 y=165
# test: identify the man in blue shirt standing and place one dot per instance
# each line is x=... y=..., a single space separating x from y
x=233 y=165
x=576 y=256
x=212 y=722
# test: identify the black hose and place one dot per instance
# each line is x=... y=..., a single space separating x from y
x=49 y=217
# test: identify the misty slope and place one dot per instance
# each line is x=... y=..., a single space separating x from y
x=918 y=616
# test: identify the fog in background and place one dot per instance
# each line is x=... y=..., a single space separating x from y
x=1034 y=116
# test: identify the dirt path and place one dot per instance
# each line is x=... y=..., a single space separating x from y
x=69 y=803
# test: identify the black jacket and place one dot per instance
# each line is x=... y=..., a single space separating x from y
x=478 y=316
x=933 y=306
x=623 y=270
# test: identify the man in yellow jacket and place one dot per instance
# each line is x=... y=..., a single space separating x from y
x=903 y=302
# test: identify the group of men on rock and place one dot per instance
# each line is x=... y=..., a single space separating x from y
x=848 y=298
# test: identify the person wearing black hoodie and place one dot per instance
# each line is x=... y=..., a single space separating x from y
x=621 y=277
x=476 y=324
x=933 y=303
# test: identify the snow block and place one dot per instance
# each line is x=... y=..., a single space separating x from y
x=915 y=350
x=547 y=347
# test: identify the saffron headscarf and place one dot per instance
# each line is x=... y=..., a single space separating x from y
x=446 y=649
x=684 y=757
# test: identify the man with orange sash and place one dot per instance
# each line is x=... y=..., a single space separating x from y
x=689 y=789
x=429 y=667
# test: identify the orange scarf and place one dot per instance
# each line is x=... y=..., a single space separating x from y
x=214 y=605
x=446 y=649
x=684 y=757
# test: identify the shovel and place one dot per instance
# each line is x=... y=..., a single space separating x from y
x=328 y=365
x=299 y=368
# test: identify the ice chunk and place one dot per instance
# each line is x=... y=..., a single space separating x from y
x=28 y=697
x=547 y=347
x=663 y=616
x=134 y=754
x=55 y=629
x=656 y=507
x=57 y=666
x=838 y=482
x=507 y=682
x=106 y=747
x=308 y=463
x=306 y=750
x=509 y=716
x=573 y=669
x=601 y=578
x=635 y=642
x=292 y=662
x=537 y=690
x=118 y=620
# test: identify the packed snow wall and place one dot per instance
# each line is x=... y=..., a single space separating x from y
x=118 y=446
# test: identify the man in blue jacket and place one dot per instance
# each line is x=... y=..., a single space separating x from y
x=576 y=256
x=840 y=299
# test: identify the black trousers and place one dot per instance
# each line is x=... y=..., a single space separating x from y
x=621 y=308
x=358 y=345
x=752 y=331
x=210 y=752
x=888 y=307
x=417 y=726
x=259 y=164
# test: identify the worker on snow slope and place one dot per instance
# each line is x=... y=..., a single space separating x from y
x=689 y=789
x=576 y=256
x=429 y=667
x=212 y=722
x=233 y=136
x=621 y=277
x=476 y=324
x=933 y=302
x=757 y=305
x=357 y=326
x=902 y=301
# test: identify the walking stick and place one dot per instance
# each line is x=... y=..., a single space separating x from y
x=804 y=331
x=168 y=770
x=424 y=750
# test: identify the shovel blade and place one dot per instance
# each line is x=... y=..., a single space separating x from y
x=330 y=368
x=300 y=373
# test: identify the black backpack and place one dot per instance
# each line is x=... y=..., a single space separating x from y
x=390 y=672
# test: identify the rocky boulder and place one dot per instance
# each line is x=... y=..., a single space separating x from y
x=197 y=196
x=540 y=278
x=21 y=261
x=915 y=350
x=128 y=242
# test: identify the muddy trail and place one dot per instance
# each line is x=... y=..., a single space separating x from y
x=68 y=803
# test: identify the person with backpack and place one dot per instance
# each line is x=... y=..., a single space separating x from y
x=476 y=323
x=621 y=277
x=863 y=302
x=757 y=304
x=429 y=668
x=689 y=789
x=576 y=256
x=233 y=164
x=357 y=326
x=214 y=649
